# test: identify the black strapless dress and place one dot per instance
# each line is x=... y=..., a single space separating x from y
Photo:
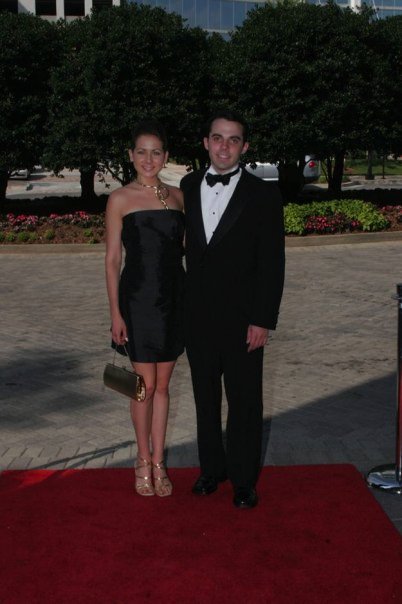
x=151 y=285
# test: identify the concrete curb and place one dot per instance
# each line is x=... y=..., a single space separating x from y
x=348 y=238
x=308 y=241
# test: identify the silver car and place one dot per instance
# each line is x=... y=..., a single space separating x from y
x=23 y=173
x=311 y=172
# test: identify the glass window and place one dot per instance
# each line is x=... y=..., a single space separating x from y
x=74 y=8
x=176 y=6
x=189 y=12
x=214 y=14
x=202 y=13
x=249 y=6
x=10 y=5
x=239 y=12
x=226 y=14
x=45 y=7
x=99 y=4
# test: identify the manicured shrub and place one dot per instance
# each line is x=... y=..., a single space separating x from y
x=22 y=237
x=22 y=222
x=333 y=216
x=2 y=236
x=338 y=223
x=10 y=237
x=393 y=214
x=81 y=219
x=49 y=234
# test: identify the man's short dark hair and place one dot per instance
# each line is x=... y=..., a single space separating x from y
x=230 y=116
x=152 y=127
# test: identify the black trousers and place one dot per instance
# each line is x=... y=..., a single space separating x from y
x=242 y=377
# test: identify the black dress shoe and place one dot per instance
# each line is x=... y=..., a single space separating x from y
x=245 y=497
x=205 y=485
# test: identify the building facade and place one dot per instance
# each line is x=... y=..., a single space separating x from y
x=383 y=8
x=55 y=9
x=220 y=16
x=223 y=15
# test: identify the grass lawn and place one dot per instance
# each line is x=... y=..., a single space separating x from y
x=359 y=167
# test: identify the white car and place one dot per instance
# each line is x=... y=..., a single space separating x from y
x=23 y=174
x=311 y=172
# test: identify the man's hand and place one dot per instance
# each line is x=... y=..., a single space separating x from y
x=256 y=337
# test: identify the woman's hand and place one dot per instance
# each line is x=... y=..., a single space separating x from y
x=119 y=331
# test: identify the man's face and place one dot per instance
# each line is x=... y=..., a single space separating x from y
x=225 y=144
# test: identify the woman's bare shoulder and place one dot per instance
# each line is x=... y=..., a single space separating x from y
x=176 y=197
x=120 y=197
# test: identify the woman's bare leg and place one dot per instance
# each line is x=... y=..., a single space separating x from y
x=160 y=409
x=141 y=415
x=163 y=486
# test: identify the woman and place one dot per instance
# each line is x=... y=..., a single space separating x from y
x=146 y=216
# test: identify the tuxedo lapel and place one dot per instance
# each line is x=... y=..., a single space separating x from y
x=232 y=212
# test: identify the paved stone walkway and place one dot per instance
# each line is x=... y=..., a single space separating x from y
x=330 y=375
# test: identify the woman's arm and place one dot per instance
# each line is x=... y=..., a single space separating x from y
x=113 y=266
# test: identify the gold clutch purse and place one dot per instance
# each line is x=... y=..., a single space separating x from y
x=124 y=381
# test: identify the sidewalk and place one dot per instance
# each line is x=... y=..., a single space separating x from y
x=43 y=184
x=330 y=368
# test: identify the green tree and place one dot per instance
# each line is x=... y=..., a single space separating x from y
x=306 y=80
x=390 y=32
x=122 y=65
x=28 y=48
x=197 y=70
x=353 y=108
x=216 y=85
x=73 y=137
x=275 y=53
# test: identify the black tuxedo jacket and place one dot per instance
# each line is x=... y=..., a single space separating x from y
x=237 y=278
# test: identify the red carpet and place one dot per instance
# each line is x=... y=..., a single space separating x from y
x=83 y=536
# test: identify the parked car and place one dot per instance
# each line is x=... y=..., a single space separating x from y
x=311 y=172
x=312 y=169
x=264 y=171
x=23 y=173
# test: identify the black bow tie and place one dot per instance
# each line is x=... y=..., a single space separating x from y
x=212 y=179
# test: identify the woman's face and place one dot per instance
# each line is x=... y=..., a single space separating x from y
x=148 y=156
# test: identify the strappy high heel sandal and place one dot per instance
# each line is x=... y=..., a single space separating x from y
x=163 y=486
x=143 y=482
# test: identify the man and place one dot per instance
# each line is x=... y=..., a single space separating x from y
x=235 y=270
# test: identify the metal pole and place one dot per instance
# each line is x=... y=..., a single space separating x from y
x=389 y=478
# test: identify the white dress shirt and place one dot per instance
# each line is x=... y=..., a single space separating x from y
x=214 y=201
